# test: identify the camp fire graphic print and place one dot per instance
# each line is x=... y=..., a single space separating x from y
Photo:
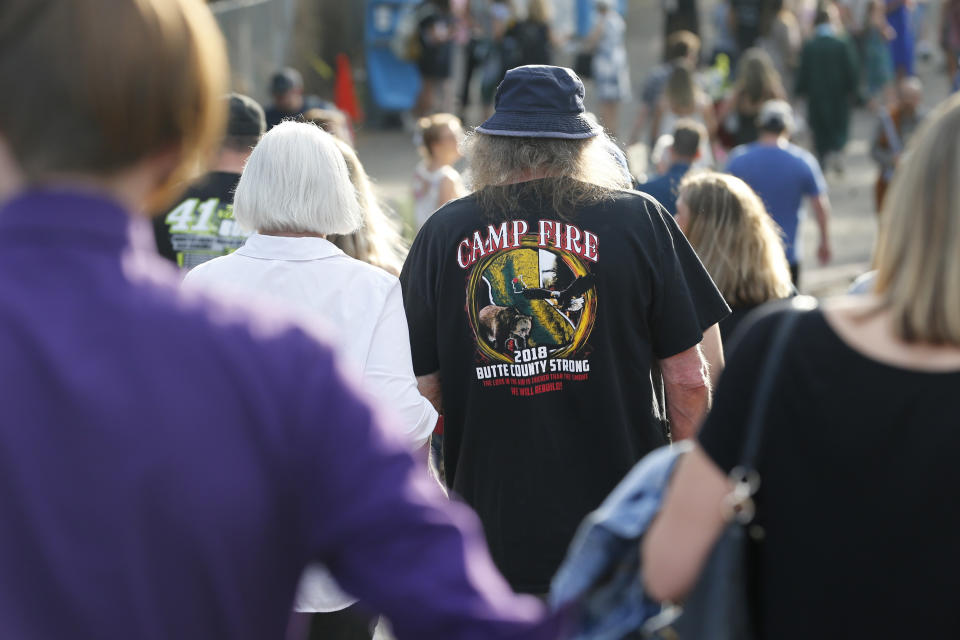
x=531 y=302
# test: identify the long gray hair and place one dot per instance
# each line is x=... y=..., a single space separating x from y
x=580 y=172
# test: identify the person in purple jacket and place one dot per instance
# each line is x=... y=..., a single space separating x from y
x=168 y=466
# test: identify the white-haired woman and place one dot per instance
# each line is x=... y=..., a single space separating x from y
x=294 y=191
x=858 y=470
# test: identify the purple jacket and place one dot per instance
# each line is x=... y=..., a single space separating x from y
x=168 y=466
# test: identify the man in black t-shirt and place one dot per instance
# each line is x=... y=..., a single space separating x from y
x=200 y=226
x=538 y=308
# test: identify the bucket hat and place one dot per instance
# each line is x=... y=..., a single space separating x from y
x=540 y=101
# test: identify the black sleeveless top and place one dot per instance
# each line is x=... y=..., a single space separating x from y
x=859 y=491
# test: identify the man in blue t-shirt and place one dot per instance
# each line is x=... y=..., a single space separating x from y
x=783 y=174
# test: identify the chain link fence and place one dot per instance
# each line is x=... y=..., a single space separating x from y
x=259 y=35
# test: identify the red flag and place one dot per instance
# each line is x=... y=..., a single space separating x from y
x=344 y=93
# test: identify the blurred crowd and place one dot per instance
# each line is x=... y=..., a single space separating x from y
x=577 y=395
x=823 y=60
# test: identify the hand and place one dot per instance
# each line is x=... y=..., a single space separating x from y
x=823 y=253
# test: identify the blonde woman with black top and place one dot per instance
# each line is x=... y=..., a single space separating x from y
x=737 y=241
x=858 y=470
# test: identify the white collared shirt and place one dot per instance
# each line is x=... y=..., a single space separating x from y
x=362 y=304
x=363 y=307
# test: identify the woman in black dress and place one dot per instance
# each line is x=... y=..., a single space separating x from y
x=436 y=55
x=858 y=460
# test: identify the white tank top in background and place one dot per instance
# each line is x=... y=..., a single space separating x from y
x=426 y=190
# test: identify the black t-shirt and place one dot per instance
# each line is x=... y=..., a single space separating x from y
x=436 y=44
x=200 y=226
x=752 y=18
x=527 y=42
x=544 y=332
x=730 y=324
x=859 y=487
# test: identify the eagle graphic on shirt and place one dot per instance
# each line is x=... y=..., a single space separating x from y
x=531 y=296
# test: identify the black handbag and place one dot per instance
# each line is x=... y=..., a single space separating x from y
x=583 y=65
x=718 y=608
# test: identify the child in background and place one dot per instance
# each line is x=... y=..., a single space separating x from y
x=435 y=181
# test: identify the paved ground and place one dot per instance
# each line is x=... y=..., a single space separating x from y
x=390 y=157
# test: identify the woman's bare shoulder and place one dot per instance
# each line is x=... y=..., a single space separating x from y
x=861 y=322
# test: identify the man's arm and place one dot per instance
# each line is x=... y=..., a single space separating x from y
x=712 y=347
x=429 y=386
x=821 y=208
x=687 y=384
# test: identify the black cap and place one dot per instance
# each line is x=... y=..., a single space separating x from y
x=246 y=117
x=285 y=80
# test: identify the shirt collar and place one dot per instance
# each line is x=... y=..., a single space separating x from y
x=80 y=218
x=283 y=248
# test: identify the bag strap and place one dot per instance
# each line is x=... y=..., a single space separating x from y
x=768 y=377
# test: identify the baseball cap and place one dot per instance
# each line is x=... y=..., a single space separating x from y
x=776 y=114
x=284 y=80
x=246 y=116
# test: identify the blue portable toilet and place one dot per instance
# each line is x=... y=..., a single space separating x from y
x=393 y=84
x=585 y=15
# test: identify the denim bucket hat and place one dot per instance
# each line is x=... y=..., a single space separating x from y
x=540 y=101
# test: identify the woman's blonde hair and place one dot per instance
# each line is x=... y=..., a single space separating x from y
x=430 y=129
x=330 y=120
x=110 y=84
x=579 y=172
x=758 y=78
x=378 y=241
x=681 y=91
x=918 y=246
x=737 y=241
